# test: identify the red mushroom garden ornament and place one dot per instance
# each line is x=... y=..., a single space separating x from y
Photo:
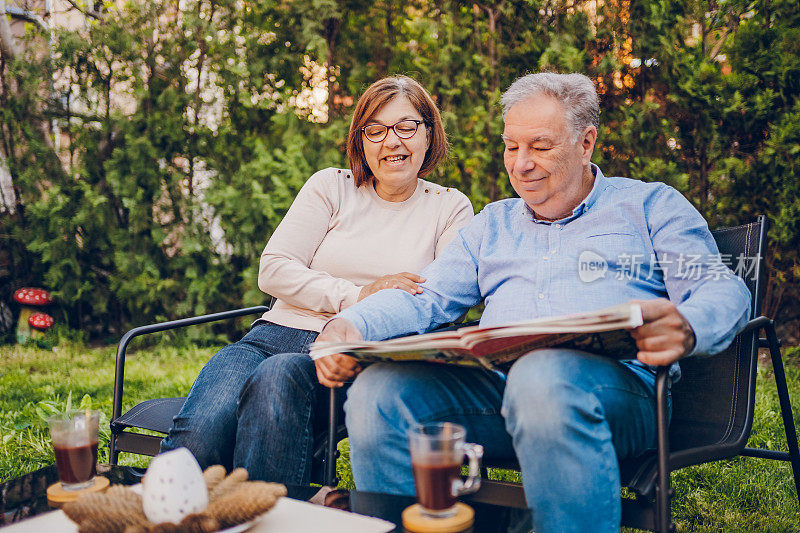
x=40 y=321
x=31 y=299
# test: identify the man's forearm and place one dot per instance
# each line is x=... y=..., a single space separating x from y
x=390 y=313
x=717 y=311
x=451 y=287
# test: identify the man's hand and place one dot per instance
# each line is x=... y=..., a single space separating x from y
x=404 y=280
x=334 y=370
x=665 y=335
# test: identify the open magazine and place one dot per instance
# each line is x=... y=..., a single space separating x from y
x=604 y=332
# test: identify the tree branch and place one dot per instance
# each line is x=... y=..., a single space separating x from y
x=7 y=44
x=88 y=12
x=59 y=112
x=23 y=14
x=734 y=19
x=720 y=42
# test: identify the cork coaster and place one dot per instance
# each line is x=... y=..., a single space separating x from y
x=57 y=496
x=417 y=522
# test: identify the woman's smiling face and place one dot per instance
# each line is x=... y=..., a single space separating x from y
x=395 y=162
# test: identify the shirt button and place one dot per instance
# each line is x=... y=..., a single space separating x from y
x=558 y=226
x=541 y=296
x=545 y=258
x=553 y=251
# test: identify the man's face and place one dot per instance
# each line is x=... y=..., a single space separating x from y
x=545 y=165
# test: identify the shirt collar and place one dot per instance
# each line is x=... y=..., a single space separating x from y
x=594 y=194
x=587 y=203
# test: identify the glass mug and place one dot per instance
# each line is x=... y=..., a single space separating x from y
x=437 y=451
x=74 y=435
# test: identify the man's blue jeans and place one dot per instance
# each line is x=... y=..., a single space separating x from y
x=566 y=415
x=253 y=406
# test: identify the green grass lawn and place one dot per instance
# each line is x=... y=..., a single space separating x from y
x=737 y=495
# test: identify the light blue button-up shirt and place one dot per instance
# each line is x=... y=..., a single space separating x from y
x=627 y=240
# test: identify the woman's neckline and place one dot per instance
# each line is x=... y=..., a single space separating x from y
x=388 y=204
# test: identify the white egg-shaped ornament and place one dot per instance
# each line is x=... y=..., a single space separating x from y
x=173 y=487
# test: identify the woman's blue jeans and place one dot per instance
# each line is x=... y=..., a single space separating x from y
x=566 y=415
x=253 y=405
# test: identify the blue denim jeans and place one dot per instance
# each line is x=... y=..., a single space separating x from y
x=253 y=405
x=566 y=415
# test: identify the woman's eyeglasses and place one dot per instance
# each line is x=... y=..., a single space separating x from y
x=405 y=129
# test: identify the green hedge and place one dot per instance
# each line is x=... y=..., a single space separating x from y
x=138 y=196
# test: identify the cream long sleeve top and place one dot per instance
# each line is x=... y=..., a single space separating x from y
x=337 y=238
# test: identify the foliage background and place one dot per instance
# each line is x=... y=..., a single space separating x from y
x=153 y=151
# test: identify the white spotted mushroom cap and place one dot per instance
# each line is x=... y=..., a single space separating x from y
x=32 y=296
x=40 y=321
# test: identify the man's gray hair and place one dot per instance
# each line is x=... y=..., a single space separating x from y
x=575 y=91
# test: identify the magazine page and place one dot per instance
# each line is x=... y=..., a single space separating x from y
x=424 y=342
x=618 y=316
x=456 y=356
x=490 y=346
x=497 y=352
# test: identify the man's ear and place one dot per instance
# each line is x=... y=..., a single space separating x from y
x=588 y=139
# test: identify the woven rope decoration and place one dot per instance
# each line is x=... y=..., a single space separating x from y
x=232 y=500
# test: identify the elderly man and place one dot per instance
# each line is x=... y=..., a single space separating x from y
x=567 y=415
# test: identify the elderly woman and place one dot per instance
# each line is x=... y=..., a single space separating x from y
x=348 y=234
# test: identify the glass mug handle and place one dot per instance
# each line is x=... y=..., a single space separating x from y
x=474 y=453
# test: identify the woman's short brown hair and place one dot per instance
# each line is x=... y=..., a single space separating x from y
x=375 y=97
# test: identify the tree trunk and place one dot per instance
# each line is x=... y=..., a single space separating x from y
x=703 y=180
x=773 y=294
x=332 y=26
x=8 y=45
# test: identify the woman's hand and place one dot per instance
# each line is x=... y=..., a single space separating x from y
x=334 y=370
x=404 y=280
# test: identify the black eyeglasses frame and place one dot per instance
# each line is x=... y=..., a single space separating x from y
x=392 y=127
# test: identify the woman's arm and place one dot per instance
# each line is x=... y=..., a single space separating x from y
x=460 y=215
x=284 y=267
